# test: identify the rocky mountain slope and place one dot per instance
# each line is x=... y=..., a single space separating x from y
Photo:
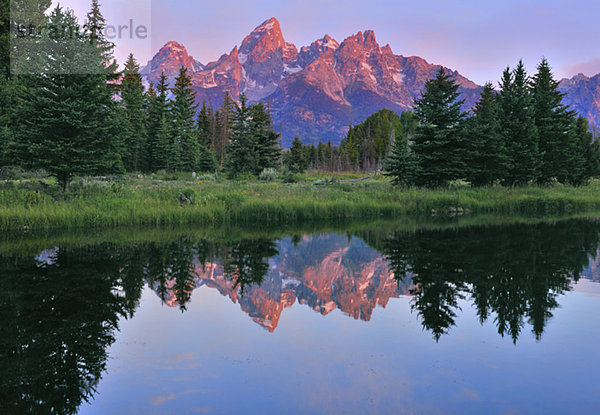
x=169 y=59
x=583 y=95
x=317 y=91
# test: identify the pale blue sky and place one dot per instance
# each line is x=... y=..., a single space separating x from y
x=476 y=37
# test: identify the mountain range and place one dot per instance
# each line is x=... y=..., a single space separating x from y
x=316 y=92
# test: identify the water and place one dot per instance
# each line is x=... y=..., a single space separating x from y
x=471 y=320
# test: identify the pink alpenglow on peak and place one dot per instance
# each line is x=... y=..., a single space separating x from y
x=317 y=91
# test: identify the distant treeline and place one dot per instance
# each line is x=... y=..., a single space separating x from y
x=103 y=121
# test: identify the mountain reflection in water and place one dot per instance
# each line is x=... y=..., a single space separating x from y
x=61 y=307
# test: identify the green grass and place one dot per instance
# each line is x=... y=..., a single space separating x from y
x=38 y=204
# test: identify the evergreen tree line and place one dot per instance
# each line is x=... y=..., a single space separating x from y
x=97 y=120
x=102 y=121
x=164 y=130
x=364 y=148
x=520 y=134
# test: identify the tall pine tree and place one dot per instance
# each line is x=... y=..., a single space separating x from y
x=587 y=152
x=241 y=157
x=207 y=160
x=7 y=118
x=553 y=120
x=164 y=150
x=439 y=143
x=68 y=120
x=518 y=126
x=489 y=161
x=132 y=99
x=183 y=113
x=295 y=159
x=402 y=165
x=157 y=143
x=266 y=140
x=4 y=39
x=224 y=121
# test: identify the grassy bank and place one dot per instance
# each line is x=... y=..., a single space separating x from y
x=39 y=204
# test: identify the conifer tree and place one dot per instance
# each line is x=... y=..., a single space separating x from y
x=68 y=120
x=7 y=126
x=160 y=147
x=402 y=164
x=553 y=121
x=295 y=159
x=253 y=146
x=207 y=160
x=132 y=99
x=241 y=157
x=313 y=156
x=374 y=137
x=95 y=33
x=320 y=156
x=518 y=125
x=166 y=144
x=4 y=38
x=205 y=126
x=183 y=113
x=489 y=161
x=329 y=155
x=224 y=121
x=439 y=142
x=28 y=19
x=154 y=156
x=350 y=152
x=266 y=140
x=587 y=152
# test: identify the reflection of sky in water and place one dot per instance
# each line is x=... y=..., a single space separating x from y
x=308 y=324
x=212 y=358
x=47 y=256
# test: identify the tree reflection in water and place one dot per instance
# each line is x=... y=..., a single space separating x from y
x=60 y=310
x=513 y=273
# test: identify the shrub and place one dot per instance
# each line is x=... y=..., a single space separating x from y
x=205 y=177
x=84 y=186
x=190 y=194
x=287 y=176
x=244 y=177
x=268 y=175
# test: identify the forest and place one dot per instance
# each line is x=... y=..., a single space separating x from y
x=105 y=121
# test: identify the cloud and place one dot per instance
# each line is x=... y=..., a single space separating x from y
x=470 y=394
x=180 y=357
x=161 y=399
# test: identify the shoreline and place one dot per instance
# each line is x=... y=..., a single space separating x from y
x=134 y=201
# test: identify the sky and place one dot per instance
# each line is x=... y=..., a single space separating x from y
x=479 y=38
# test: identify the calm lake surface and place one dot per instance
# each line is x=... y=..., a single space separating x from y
x=495 y=320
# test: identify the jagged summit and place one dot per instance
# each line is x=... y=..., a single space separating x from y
x=315 y=92
x=271 y=24
x=169 y=59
